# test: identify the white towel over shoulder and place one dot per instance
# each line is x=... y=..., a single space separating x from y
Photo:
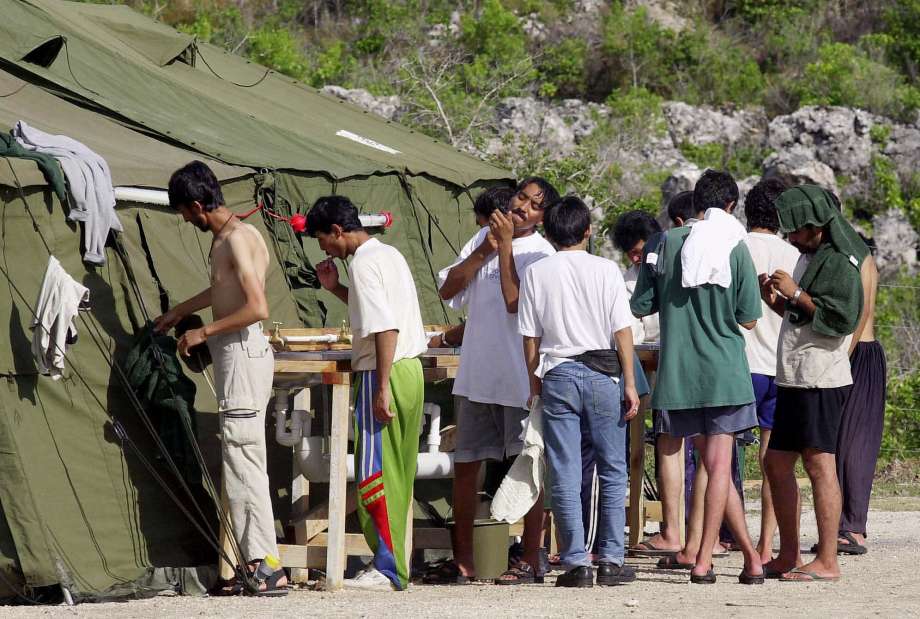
x=52 y=326
x=89 y=181
x=704 y=258
x=521 y=487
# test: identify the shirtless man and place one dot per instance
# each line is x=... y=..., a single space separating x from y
x=243 y=360
x=860 y=436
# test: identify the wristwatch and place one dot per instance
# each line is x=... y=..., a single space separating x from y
x=795 y=296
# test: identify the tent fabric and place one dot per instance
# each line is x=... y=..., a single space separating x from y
x=134 y=159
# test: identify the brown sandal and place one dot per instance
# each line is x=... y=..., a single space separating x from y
x=520 y=574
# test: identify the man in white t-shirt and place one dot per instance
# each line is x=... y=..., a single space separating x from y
x=491 y=387
x=575 y=319
x=769 y=253
x=388 y=337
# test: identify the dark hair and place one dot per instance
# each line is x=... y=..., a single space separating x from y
x=759 y=204
x=683 y=206
x=869 y=241
x=566 y=220
x=632 y=227
x=195 y=182
x=715 y=190
x=330 y=210
x=550 y=195
x=491 y=199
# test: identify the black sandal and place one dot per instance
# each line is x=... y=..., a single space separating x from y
x=851 y=546
x=670 y=562
x=520 y=574
x=226 y=587
x=271 y=586
x=709 y=578
x=446 y=573
x=751 y=579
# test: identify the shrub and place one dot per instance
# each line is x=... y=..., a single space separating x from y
x=277 y=49
x=332 y=66
x=699 y=65
x=845 y=75
x=561 y=68
x=498 y=46
x=902 y=35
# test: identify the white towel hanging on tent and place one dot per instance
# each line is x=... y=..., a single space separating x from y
x=53 y=329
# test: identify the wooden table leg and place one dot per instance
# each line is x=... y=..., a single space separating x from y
x=636 y=516
x=335 y=553
x=300 y=492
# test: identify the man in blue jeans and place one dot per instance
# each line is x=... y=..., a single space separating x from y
x=573 y=310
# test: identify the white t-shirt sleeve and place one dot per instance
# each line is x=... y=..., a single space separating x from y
x=373 y=310
x=620 y=314
x=459 y=301
x=528 y=320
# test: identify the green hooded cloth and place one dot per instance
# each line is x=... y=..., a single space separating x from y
x=832 y=277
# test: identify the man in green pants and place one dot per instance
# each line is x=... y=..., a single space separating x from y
x=388 y=338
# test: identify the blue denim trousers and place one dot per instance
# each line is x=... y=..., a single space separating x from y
x=578 y=402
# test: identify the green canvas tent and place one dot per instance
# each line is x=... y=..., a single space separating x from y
x=80 y=506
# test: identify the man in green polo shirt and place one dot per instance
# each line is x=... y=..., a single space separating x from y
x=702 y=282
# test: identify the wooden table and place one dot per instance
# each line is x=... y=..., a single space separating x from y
x=321 y=540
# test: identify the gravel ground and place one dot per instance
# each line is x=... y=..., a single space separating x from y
x=881 y=583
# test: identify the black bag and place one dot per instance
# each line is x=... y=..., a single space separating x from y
x=606 y=362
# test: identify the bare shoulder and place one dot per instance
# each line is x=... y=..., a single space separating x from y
x=247 y=239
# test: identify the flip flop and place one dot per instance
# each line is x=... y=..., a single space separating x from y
x=646 y=548
x=520 y=574
x=750 y=579
x=447 y=573
x=772 y=574
x=226 y=587
x=709 y=578
x=272 y=589
x=671 y=563
x=851 y=546
x=812 y=577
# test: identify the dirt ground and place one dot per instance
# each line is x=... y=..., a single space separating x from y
x=883 y=583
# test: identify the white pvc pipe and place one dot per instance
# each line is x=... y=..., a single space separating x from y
x=434 y=429
x=314 y=464
x=284 y=436
x=142 y=196
x=159 y=197
x=311 y=339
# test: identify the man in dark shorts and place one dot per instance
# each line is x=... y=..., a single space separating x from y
x=702 y=283
x=769 y=253
x=821 y=304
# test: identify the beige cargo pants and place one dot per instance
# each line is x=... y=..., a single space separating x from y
x=243 y=369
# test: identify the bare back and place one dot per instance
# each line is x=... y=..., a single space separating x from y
x=239 y=262
x=869 y=276
x=865 y=330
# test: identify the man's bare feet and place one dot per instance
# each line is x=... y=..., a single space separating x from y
x=775 y=567
x=656 y=543
x=812 y=571
x=765 y=551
